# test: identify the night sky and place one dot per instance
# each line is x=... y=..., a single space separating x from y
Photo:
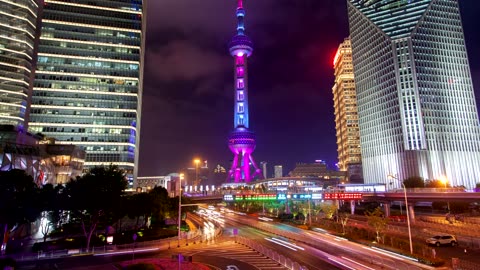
x=188 y=80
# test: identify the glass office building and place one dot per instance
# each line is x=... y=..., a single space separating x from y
x=18 y=20
x=88 y=83
x=416 y=104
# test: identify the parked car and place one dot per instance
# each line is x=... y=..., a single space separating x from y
x=439 y=240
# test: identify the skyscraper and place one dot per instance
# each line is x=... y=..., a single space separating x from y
x=88 y=84
x=345 y=105
x=416 y=105
x=277 y=171
x=263 y=164
x=241 y=140
x=18 y=23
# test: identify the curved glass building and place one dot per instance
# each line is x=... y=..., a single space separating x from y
x=88 y=83
x=416 y=104
x=18 y=20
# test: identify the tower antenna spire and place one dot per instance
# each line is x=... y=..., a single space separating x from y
x=240 y=16
x=241 y=140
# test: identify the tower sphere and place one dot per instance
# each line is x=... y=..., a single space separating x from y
x=240 y=44
x=241 y=139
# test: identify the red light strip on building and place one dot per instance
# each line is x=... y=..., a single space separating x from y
x=342 y=196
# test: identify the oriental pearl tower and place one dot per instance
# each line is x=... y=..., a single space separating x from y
x=241 y=140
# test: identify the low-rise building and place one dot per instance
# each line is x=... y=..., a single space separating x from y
x=41 y=158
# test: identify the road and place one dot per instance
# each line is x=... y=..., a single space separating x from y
x=319 y=248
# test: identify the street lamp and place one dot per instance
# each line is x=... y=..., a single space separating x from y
x=180 y=207
x=444 y=180
x=408 y=215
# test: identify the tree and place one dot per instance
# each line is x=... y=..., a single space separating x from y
x=435 y=184
x=140 y=205
x=160 y=204
x=94 y=197
x=414 y=182
x=377 y=220
x=328 y=209
x=47 y=197
x=343 y=218
x=172 y=207
x=51 y=202
x=18 y=201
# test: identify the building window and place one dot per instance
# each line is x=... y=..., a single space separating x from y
x=240 y=61
x=240 y=107
x=240 y=84
x=240 y=96
x=240 y=71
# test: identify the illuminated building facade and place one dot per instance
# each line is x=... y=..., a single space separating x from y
x=147 y=183
x=218 y=176
x=67 y=159
x=88 y=83
x=345 y=106
x=18 y=20
x=317 y=170
x=416 y=104
x=39 y=157
x=241 y=140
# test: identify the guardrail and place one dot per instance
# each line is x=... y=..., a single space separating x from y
x=287 y=262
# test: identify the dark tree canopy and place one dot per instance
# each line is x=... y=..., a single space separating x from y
x=95 y=197
x=435 y=184
x=414 y=182
x=18 y=198
x=98 y=189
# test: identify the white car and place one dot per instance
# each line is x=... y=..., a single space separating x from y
x=439 y=240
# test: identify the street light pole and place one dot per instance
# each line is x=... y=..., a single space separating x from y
x=179 y=208
x=309 y=211
x=445 y=181
x=408 y=218
x=408 y=213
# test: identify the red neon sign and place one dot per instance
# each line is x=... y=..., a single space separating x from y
x=342 y=196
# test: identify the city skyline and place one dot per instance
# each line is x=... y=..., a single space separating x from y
x=187 y=96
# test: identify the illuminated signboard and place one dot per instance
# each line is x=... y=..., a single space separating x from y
x=314 y=196
x=268 y=197
x=271 y=197
x=342 y=196
x=256 y=197
x=301 y=196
